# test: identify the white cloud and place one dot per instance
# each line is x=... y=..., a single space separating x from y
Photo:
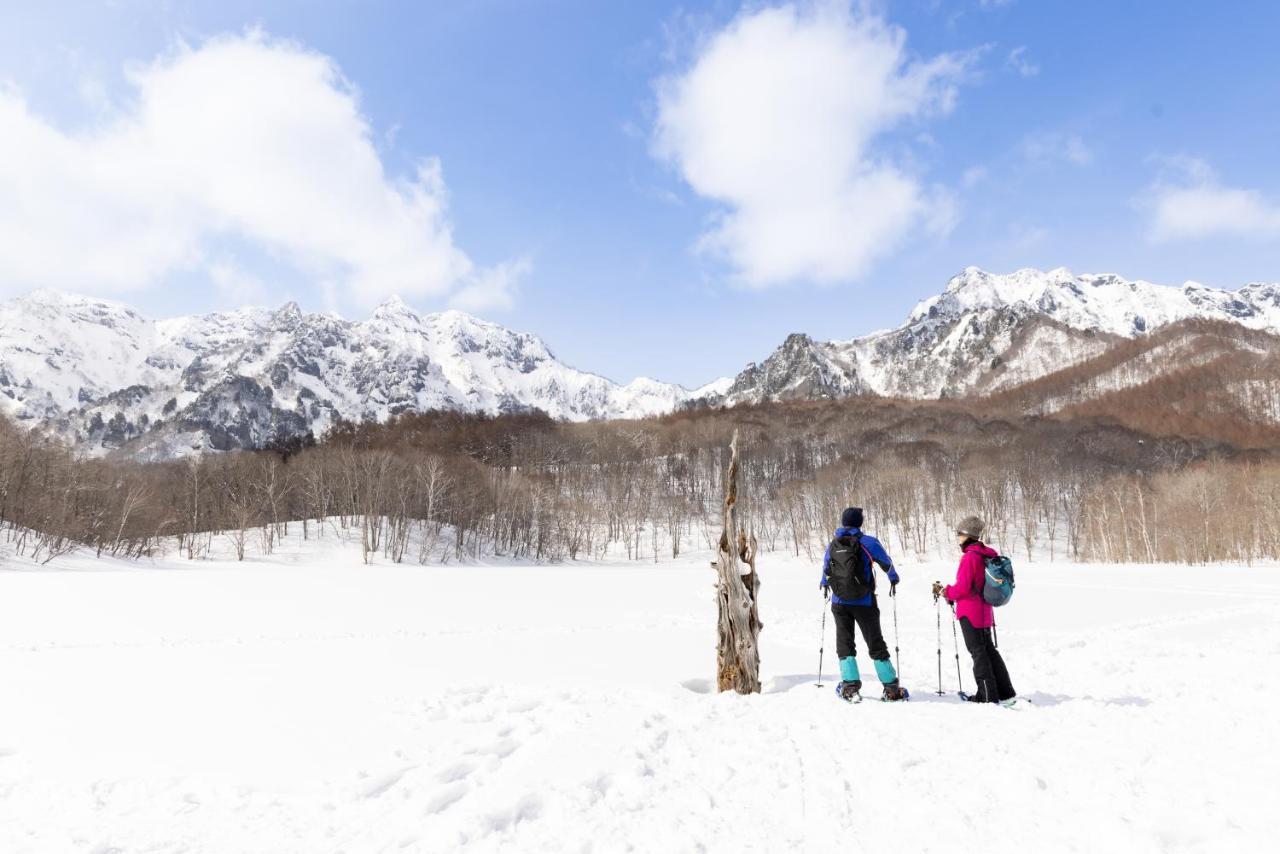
x=236 y=286
x=1187 y=201
x=973 y=176
x=995 y=4
x=243 y=138
x=942 y=213
x=1050 y=146
x=494 y=288
x=1025 y=236
x=1021 y=63
x=775 y=118
x=93 y=93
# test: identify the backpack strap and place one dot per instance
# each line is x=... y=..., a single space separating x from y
x=871 y=562
x=976 y=588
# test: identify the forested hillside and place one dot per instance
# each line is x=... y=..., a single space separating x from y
x=1079 y=487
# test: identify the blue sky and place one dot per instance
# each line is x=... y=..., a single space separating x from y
x=639 y=183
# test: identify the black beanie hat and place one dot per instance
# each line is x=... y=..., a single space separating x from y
x=852 y=517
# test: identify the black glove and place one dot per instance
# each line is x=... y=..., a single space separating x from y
x=893 y=589
x=826 y=592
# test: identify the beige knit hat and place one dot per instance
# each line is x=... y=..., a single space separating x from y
x=971 y=526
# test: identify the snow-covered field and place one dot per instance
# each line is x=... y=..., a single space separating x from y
x=309 y=703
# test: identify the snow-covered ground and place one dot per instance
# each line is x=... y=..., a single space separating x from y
x=309 y=703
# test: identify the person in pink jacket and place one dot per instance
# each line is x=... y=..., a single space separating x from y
x=975 y=615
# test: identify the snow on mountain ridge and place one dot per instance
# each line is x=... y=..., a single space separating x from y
x=102 y=375
x=988 y=331
x=1103 y=302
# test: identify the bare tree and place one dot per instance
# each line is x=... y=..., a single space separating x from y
x=737 y=588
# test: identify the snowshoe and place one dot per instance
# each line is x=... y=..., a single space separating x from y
x=850 y=692
x=972 y=698
x=893 y=692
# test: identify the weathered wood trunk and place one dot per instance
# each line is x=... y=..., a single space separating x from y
x=737 y=588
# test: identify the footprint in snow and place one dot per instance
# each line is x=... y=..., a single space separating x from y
x=456 y=772
x=445 y=798
x=598 y=788
x=524 y=706
x=502 y=748
x=379 y=785
x=526 y=809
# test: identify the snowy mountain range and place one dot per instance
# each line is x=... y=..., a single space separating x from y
x=104 y=377
x=107 y=378
x=987 y=332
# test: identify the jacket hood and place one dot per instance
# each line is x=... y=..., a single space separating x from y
x=982 y=549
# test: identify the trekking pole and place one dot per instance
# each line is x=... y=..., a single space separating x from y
x=956 y=645
x=937 y=609
x=822 y=642
x=897 y=657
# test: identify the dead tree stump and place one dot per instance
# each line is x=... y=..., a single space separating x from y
x=737 y=587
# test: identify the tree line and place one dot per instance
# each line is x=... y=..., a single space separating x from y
x=444 y=486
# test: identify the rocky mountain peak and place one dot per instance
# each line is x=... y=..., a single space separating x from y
x=53 y=303
x=987 y=330
x=108 y=378
x=289 y=311
x=244 y=378
x=395 y=310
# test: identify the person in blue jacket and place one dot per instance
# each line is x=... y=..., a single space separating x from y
x=861 y=611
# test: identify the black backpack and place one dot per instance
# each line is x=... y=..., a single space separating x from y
x=849 y=570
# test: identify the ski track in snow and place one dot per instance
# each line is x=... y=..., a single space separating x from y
x=307 y=703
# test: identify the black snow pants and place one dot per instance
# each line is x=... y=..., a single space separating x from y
x=865 y=617
x=988 y=666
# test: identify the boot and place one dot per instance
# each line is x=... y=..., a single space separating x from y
x=849 y=690
x=981 y=695
x=894 y=692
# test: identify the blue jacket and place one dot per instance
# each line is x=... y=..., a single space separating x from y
x=878 y=554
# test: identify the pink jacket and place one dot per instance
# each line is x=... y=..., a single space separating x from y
x=966 y=593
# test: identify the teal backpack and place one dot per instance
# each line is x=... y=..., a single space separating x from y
x=998 y=587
